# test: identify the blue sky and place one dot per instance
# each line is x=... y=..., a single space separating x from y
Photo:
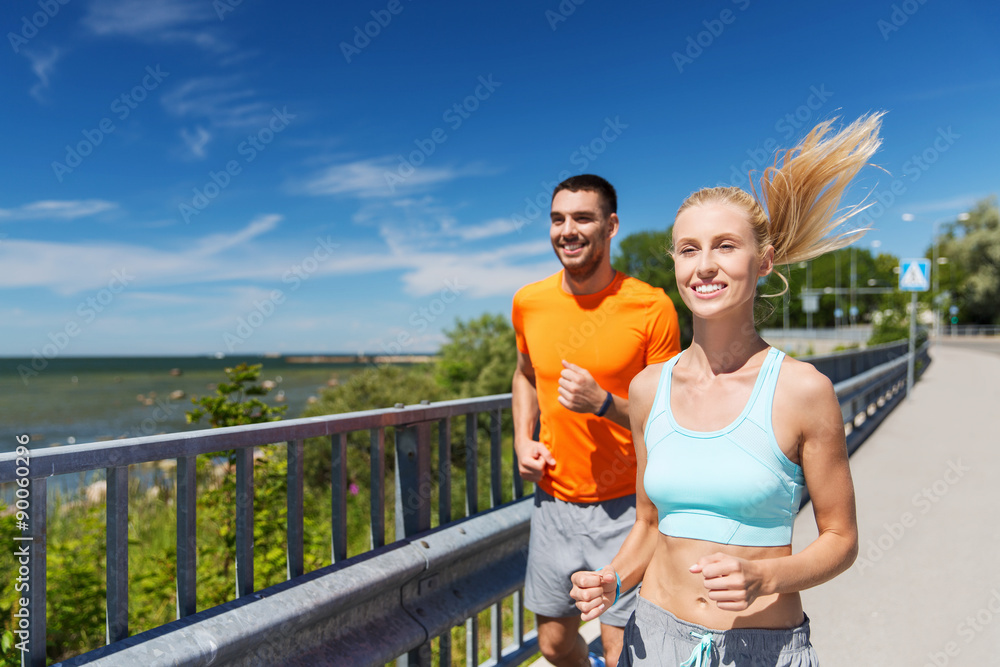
x=193 y=177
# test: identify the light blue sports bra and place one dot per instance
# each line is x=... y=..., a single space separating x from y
x=731 y=486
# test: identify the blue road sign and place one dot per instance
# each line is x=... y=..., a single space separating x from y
x=915 y=275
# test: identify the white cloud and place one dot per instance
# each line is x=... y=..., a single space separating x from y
x=141 y=17
x=196 y=141
x=484 y=230
x=157 y=20
x=479 y=274
x=68 y=269
x=42 y=65
x=217 y=243
x=957 y=203
x=57 y=210
x=380 y=177
x=222 y=101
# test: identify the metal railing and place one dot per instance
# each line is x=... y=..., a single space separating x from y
x=414 y=485
x=391 y=601
x=962 y=330
x=840 y=366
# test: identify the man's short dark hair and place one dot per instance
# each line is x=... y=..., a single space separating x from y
x=592 y=183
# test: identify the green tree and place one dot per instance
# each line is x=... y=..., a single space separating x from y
x=645 y=255
x=479 y=357
x=236 y=403
x=231 y=405
x=971 y=273
x=832 y=270
x=378 y=386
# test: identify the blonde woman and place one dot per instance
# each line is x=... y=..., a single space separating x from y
x=728 y=433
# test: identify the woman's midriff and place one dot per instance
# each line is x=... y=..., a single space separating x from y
x=669 y=583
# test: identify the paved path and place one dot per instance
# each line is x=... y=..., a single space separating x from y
x=926 y=587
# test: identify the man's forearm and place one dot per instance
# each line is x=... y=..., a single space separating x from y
x=618 y=411
x=524 y=406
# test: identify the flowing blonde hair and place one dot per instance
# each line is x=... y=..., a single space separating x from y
x=796 y=209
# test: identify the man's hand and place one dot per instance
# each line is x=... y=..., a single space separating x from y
x=532 y=458
x=578 y=390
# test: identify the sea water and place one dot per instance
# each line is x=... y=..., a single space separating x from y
x=94 y=399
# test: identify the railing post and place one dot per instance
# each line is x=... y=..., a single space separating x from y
x=187 y=547
x=471 y=464
x=413 y=503
x=117 y=553
x=293 y=505
x=377 y=487
x=444 y=471
x=338 y=496
x=37 y=544
x=496 y=484
x=413 y=480
x=496 y=631
x=472 y=641
x=244 y=521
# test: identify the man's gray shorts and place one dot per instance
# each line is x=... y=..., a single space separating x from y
x=569 y=537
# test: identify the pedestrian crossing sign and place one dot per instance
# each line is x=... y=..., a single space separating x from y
x=915 y=275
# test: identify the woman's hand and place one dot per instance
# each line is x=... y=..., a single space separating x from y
x=593 y=591
x=733 y=583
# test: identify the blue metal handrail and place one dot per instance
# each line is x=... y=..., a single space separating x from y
x=865 y=399
x=412 y=429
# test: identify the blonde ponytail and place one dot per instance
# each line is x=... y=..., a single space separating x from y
x=802 y=194
x=796 y=208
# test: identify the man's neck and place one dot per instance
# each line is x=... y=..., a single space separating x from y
x=591 y=284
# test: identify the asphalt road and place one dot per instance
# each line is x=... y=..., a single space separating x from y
x=990 y=344
x=925 y=589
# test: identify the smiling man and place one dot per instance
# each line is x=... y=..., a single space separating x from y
x=582 y=334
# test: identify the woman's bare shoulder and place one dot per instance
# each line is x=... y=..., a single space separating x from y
x=646 y=380
x=802 y=387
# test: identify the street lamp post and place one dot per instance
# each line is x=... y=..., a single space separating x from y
x=936 y=263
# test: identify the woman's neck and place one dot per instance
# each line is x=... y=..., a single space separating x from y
x=725 y=345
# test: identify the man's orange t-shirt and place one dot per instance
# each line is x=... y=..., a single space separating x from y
x=613 y=334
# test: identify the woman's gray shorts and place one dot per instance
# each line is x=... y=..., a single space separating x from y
x=569 y=537
x=654 y=636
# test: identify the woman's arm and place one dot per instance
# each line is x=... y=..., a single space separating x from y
x=814 y=412
x=595 y=591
